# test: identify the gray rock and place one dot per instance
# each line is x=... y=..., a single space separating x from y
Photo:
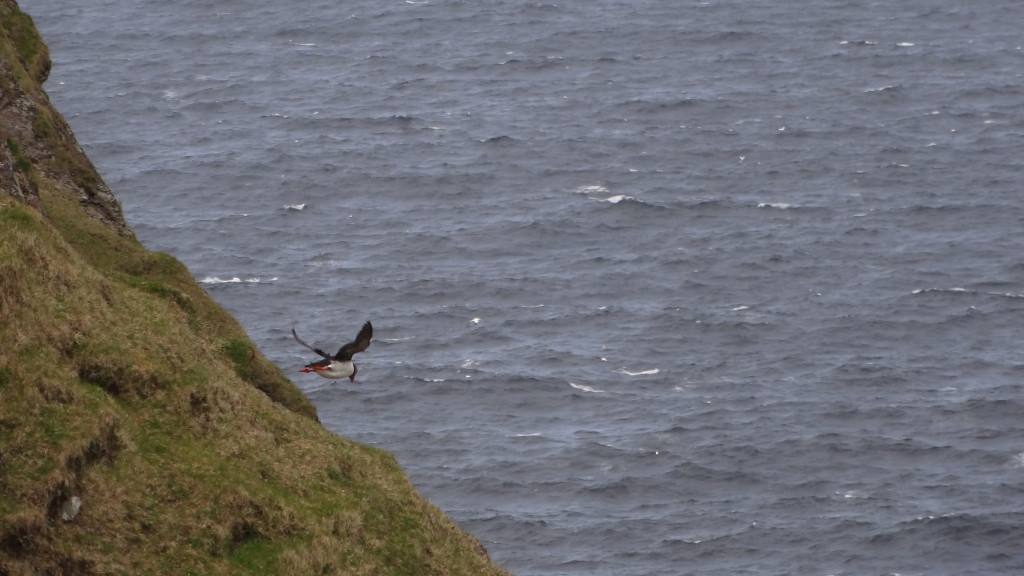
x=71 y=508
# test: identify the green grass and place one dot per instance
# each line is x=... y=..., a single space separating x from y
x=21 y=41
x=23 y=164
x=257 y=556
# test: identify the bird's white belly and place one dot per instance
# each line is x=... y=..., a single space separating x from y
x=337 y=370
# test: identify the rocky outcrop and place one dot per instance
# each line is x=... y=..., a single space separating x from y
x=34 y=137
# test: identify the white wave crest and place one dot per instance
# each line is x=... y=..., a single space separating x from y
x=617 y=198
x=641 y=373
x=585 y=388
x=235 y=280
x=924 y=290
x=591 y=189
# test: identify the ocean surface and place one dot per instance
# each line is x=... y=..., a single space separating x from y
x=659 y=287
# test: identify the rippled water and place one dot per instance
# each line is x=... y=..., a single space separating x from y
x=658 y=287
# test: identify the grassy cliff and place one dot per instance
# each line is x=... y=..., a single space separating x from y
x=125 y=388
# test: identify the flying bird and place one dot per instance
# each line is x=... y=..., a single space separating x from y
x=340 y=365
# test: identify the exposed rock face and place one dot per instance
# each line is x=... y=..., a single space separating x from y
x=34 y=136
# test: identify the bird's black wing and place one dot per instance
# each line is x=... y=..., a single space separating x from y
x=361 y=343
x=317 y=350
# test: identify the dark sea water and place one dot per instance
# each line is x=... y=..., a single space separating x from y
x=659 y=287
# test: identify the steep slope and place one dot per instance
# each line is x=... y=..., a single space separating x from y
x=140 y=430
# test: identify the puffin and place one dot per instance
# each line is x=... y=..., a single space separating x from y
x=340 y=365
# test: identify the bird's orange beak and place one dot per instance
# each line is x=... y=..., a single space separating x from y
x=305 y=370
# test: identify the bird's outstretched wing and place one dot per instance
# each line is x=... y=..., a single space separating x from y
x=361 y=343
x=317 y=350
